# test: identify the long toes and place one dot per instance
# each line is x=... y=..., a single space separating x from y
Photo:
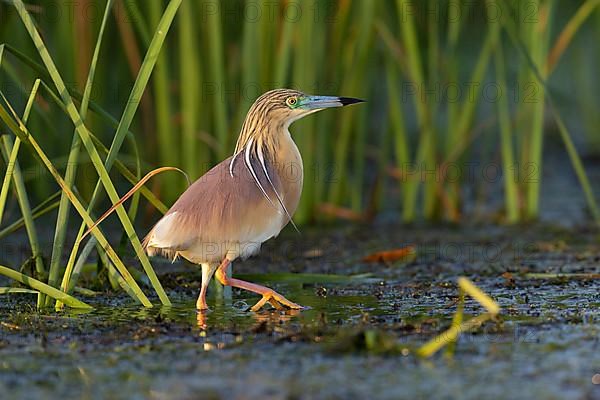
x=287 y=303
x=295 y=306
x=277 y=301
x=276 y=304
x=259 y=304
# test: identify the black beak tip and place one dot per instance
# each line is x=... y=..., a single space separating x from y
x=350 y=100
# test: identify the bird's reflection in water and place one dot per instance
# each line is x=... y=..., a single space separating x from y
x=201 y=319
x=276 y=316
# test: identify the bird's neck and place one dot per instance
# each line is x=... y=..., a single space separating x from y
x=276 y=145
x=285 y=149
x=277 y=149
x=269 y=136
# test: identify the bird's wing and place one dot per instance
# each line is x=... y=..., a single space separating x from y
x=220 y=208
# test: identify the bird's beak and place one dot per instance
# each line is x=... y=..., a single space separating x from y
x=321 y=102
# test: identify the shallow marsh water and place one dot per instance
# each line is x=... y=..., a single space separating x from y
x=356 y=341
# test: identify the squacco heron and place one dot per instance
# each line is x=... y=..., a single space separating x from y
x=246 y=199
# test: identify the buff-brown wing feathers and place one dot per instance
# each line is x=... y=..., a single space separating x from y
x=219 y=209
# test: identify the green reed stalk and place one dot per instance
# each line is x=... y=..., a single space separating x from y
x=267 y=38
x=121 y=131
x=217 y=78
x=359 y=198
x=568 y=33
x=41 y=287
x=325 y=171
x=538 y=47
x=10 y=152
x=135 y=199
x=577 y=165
x=355 y=63
x=41 y=209
x=139 y=20
x=84 y=254
x=433 y=59
x=62 y=219
x=10 y=290
x=122 y=168
x=284 y=51
x=168 y=154
x=126 y=119
x=305 y=76
x=454 y=28
x=251 y=52
x=398 y=126
x=511 y=195
x=131 y=177
x=469 y=106
x=584 y=181
x=191 y=74
x=23 y=199
x=23 y=133
x=9 y=165
x=364 y=53
x=425 y=149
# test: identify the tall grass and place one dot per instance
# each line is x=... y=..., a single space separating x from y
x=85 y=137
x=192 y=86
x=10 y=151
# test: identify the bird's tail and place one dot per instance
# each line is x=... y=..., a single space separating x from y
x=158 y=251
x=146 y=243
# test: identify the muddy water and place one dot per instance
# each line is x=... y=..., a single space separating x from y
x=358 y=338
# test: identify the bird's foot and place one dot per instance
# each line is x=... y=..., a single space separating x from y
x=201 y=304
x=276 y=300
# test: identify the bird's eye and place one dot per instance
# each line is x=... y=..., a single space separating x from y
x=291 y=101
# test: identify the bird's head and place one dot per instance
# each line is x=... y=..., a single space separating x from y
x=275 y=110
x=284 y=106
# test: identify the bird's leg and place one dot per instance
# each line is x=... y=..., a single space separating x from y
x=269 y=295
x=207 y=273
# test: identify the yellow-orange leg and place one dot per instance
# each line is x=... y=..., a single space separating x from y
x=268 y=295
x=207 y=273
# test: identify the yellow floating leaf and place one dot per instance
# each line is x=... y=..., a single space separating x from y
x=458 y=326
x=451 y=335
x=476 y=293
